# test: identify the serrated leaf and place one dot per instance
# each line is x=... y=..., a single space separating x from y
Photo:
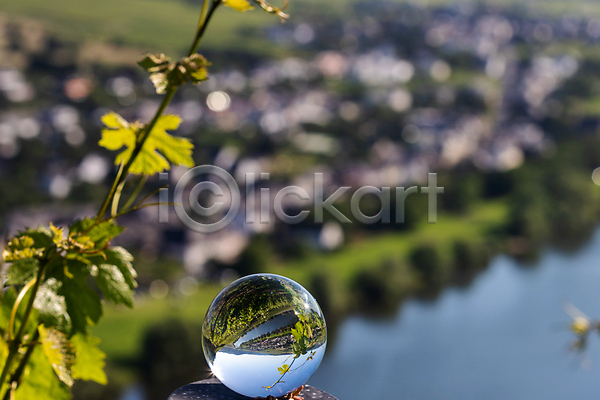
x=21 y=271
x=122 y=259
x=99 y=233
x=150 y=161
x=111 y=282
x=40 y=382
x=89 y=364
x=51 y=306
x=83 y=304
x=239 y=5
x=42 y=237
x=59 y=352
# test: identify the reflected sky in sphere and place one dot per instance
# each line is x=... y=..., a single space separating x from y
x=249 y=373
x=264 y=335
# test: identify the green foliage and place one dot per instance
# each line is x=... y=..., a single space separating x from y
x=64 y=304
x=22 y=271
x=148 y=162
x=51 y=306
x=89 y=364
x=112 y=283
x=40 y=381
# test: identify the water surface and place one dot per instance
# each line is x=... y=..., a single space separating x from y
x=504 y=337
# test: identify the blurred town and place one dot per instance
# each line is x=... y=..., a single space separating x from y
x=381 y=99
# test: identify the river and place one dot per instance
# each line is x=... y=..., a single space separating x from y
x=504 y=337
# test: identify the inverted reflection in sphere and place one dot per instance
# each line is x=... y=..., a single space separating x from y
x=264 y=335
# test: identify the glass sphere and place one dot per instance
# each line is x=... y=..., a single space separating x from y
x=264 y=335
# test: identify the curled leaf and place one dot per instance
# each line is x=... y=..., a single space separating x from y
x=274 y=10
x=166 y=74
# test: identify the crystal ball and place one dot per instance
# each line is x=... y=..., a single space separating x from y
x=264 y=335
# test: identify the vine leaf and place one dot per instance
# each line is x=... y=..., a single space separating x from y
x=284 y=369
x=51 y=306
x=99 y=233
x=239 y=5
x=21 y=271
x=89 y=364
x=112 y=283
x=59 y=352
x=120 y=258
x=83 y=304
x=149 y=161
x=40 y=382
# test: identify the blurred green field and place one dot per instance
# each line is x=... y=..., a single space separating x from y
x=124 y=344
x=148 y=24
x=168 y=24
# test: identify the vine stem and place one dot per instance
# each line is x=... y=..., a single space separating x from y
x=141 y=139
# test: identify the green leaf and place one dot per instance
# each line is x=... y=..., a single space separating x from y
x=21 y=271
x=89 y=364
x=112 y=283
x=113 y=120
x=51 y=306
x=59 y=352
x=83 y=304
x=40 y=382
x=122 y=259
x=119 y=134
x=42 y=237
x=98 y=232
x=239 y=5
x=149 y=161
x=283 y=369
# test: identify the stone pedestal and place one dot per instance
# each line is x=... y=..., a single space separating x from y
x=212 y=389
